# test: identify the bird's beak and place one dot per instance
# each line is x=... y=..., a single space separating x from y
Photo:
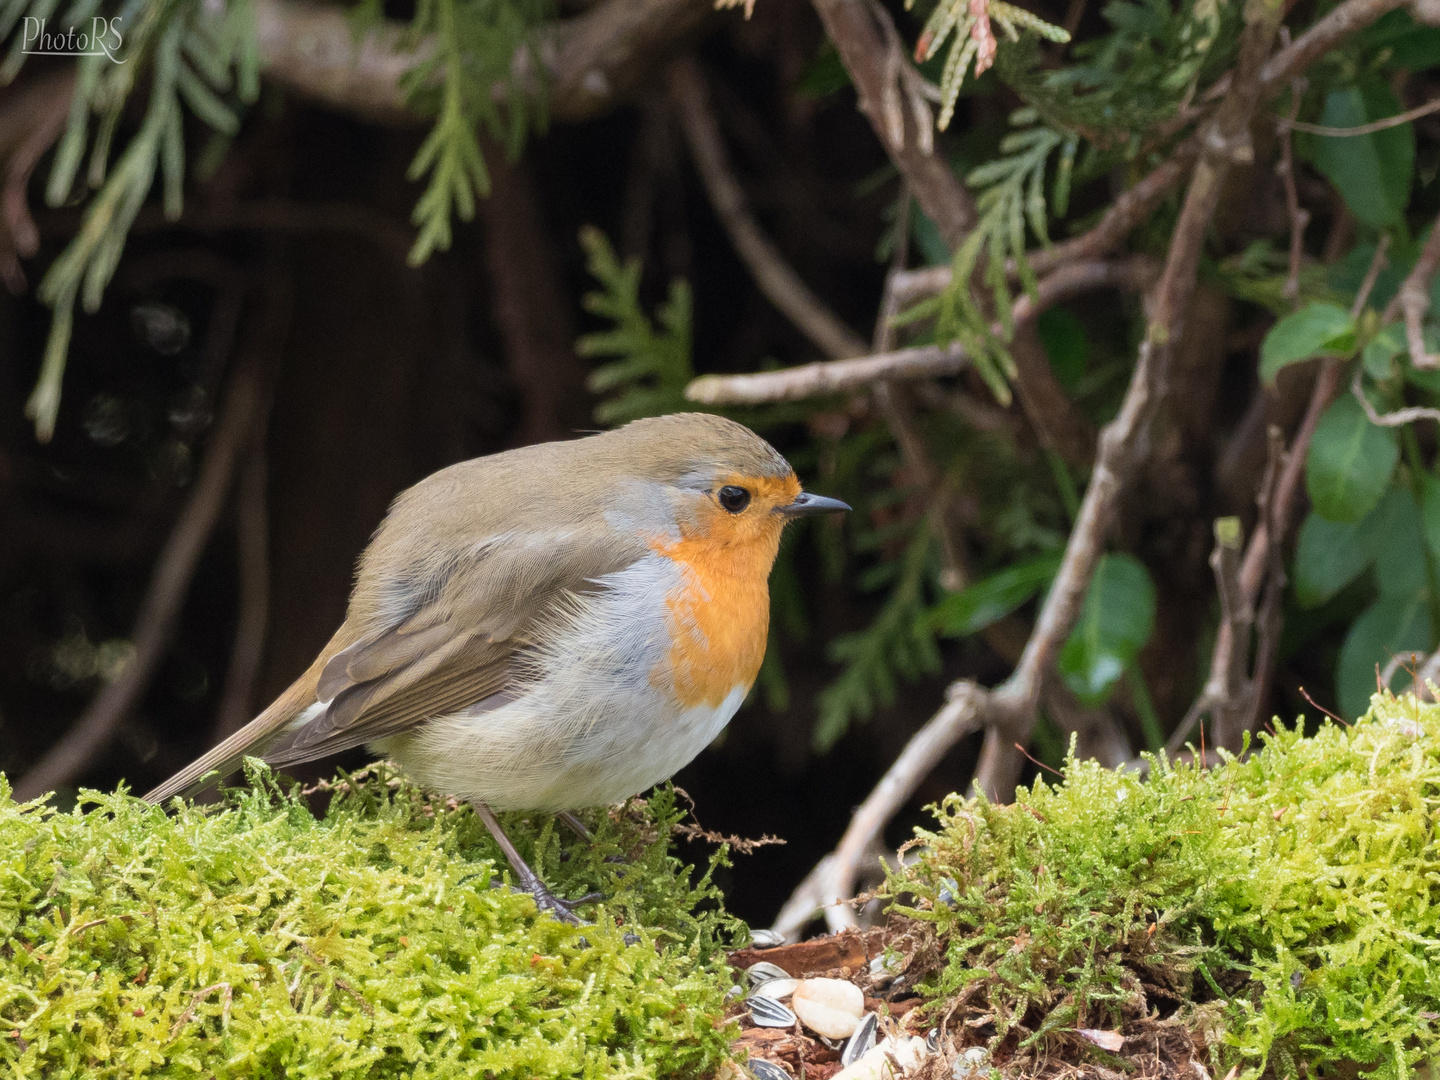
x=808 y=505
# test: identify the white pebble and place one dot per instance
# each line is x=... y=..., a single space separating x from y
x=829 y=1007
x=889 y=1060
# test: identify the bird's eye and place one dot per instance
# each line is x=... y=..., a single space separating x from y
x=734 y=498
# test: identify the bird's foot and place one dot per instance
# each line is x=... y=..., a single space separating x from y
x=546 y=901
x=563 y=910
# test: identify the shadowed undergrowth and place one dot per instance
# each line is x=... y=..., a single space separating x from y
x=1285 y=908
x=254 y=939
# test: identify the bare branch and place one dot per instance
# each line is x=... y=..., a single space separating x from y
x=1291 y=124
x=1222 y=694
x=923 y=362
x=856 y=28
x=1413 y=301
x=1298 y=215
x=781 y=285
x=1396 y=418
x=595 y=61
x=1348 y=18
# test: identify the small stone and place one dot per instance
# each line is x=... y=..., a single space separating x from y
x=970 y=1063
x=829 y=1007
x=779 y=989
x=890 y=1060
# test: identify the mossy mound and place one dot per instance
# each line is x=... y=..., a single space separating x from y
x=253 y=939
x=1283 y=909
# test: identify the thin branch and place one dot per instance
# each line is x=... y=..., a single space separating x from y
x=1298 y=215
x=858 y=32
x=1378 y=262
x=922 y=362
x=1348 y=18
x=781 y=285
x=160 y=607
x=1291 y=124
x=1413 y=301
x=1398 y=417
x=1232 y=642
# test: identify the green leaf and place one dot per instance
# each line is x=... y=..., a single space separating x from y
x=1350 y=462
x=982 y=603
x=1313 y=330
x=1372 y=172
x=1392 y=626
x=1329 y=556
x=1382 y=350
x=1399 y=543
x=1115 y=623
x=1430 y=511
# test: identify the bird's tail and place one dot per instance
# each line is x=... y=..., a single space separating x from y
x=249 y=741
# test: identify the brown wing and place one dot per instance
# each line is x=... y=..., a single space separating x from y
x=428 y=633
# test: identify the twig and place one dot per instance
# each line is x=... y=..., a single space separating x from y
x=1291 y=124
x=776 y=279
x=160 y=607
x=1413 y=301
x=199 y=996
x=861 y=41
x=1008 y=712
x=594 y=61
x=1261 y=554
x=1298 y=215
x=1372 y=275
x=923 y=362
x=1344 y=20
x=1128 y=210
x=1398 y=417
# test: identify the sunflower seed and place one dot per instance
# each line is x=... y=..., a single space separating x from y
x=734 y=992
x=932 y=1040
x=949 y=890
x=765 y=939
x=860 y=1043
x=767 y=1012
x=775 y=989
x=761 y=1069
x=765 y=970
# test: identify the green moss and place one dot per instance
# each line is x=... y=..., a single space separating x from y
x=1287 y=904
x=256 y=940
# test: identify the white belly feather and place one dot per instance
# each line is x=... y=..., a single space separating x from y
x=588 y=726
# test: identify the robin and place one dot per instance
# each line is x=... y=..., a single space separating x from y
x=549 y=628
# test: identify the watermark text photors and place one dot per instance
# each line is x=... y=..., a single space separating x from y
x=102 y=40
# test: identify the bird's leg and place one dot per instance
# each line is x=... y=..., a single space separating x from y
x=530 y=881
x=576 y=826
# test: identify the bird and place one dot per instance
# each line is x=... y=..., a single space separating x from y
x=554 y=627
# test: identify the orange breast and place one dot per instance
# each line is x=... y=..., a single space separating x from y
x=719 y=616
